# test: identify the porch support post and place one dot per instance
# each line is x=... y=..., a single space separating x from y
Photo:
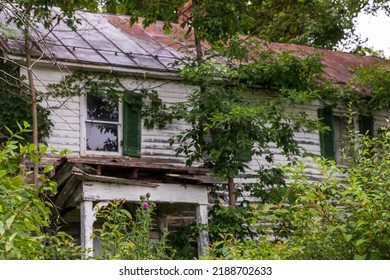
x=87 y=219
x=203 y=239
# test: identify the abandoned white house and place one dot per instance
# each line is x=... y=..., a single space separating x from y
x=131 y=160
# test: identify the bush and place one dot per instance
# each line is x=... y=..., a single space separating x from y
x=25 y=212
x=342 y=215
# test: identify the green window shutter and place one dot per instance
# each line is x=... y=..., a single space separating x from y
x=246 y=154
x=326 y=138
x=366 y=125
x=132 y=124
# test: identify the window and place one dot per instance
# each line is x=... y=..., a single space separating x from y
x=333 y=140
x=106 y=124
x=340 y=130
x=102 y=124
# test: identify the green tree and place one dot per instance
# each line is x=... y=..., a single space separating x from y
x=319 y=23
x=225 y=120
x=24 y=16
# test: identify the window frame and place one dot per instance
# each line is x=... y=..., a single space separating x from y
x=83 y=133
x=136 y=151
x=119 y=124
x=328 y=114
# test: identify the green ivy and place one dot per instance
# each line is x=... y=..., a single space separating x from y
x=16 y=103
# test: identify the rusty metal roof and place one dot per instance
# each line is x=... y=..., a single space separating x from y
x=108 y=40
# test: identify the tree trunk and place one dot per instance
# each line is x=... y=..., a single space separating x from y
x=33 y=100
x=199 y=60
x=232 y=192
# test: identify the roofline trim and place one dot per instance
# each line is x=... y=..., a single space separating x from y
x=145 y=73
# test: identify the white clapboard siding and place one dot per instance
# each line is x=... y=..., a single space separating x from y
x=64 y=112
x=155 y=142
x=381 y=119
x=309 y=141
x=66 y=115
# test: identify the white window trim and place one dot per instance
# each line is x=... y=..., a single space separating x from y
x=83 y=133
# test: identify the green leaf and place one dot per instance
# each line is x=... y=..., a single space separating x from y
x=360 y=242
x=9 y=130
x=32 y=147
x=2 y=228
x=26 y=124
x=360 y=257
x=65 y=152
x=17 y=181
x=9 y=222
x=9 y=243
x=48 y=168
x=9 y=32
x=331 y=228
x=43 y=149
x=2 y=173
x=347 y=237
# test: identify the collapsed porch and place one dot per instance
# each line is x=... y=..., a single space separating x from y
x=84 y=183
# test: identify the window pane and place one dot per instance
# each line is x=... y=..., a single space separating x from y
x=102 y=137
x=99 y=108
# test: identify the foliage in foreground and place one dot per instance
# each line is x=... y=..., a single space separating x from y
x=27 y=230
x=25 y=212
x=124 y=237
x=340 y=215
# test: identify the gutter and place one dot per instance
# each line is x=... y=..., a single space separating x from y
x=144 y=73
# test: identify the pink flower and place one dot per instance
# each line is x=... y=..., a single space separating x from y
x=145 y=205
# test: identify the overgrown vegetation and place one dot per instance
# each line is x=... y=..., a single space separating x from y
x=343 y=214
x=124 y=237
x=16 y=104
x=346 y=218
x=26 y=228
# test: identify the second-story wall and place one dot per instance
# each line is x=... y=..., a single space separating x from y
x=68 y=116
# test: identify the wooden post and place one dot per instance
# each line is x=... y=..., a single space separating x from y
x=87 y=219
x=203 y=239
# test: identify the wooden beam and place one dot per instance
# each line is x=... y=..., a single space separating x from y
x=68 y=189
x=74 y=198
x=83 y=168
x=199 y=178
x=145 y=163
x=168 y=193
x=203 y=239
x=63 y=173
x=116 y=180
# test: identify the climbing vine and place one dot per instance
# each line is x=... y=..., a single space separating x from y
x=16 y=104
x=374 y=83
